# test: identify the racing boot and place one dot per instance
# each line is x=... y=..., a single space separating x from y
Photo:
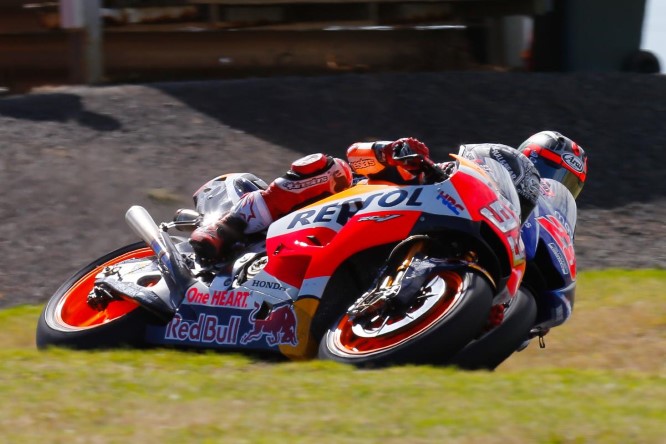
x=211 y=242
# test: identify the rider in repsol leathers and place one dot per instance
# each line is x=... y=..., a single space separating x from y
x=318 y=175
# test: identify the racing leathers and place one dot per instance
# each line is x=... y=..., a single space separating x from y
x=318 y=175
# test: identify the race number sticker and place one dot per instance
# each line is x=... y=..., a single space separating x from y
x=502 y=216
x=505 y=218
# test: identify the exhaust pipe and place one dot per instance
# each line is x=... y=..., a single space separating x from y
x=178 y=275
x=142 y=223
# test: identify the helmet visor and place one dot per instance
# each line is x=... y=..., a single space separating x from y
x=551 y=170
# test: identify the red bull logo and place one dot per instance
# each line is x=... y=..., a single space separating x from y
x=206 y=329
x=279 y=327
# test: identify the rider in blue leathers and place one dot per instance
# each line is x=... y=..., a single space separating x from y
x=548 y=233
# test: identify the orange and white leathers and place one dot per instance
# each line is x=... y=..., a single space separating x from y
x=374 y=160
x=318 y=175
x=310 y=178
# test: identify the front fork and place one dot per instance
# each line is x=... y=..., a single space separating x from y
x=409 y=266
x=391 y=279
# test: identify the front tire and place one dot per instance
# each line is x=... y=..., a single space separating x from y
x=68 y=321
x=424 y=333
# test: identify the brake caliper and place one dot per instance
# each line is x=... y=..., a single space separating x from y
x=99 y=298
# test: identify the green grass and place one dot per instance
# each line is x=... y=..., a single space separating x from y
x=18 y=326
x=577 y=390
x=620 y=287
x=176 y=397
x=619 y=322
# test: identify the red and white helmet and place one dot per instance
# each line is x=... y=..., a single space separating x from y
x=557 y=157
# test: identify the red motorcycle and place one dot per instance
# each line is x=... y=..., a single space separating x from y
x=377 y=274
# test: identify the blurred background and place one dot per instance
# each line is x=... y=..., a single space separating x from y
x=101 y=41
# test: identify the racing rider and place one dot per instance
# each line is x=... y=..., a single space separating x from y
x=562 y=160
x=318 y=175
x=557 y=157
x=310 y=178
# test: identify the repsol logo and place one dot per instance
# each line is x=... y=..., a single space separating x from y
x=341 y=212
x=573 y=161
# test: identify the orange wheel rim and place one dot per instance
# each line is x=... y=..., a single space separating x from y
x=73 y=309
x=347 y=340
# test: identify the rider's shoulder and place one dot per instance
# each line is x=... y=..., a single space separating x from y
x=477 y=150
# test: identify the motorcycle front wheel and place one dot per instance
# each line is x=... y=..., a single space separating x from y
x=68 y=321
x=454 y=308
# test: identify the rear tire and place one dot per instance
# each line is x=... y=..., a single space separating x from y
x=68 y=321
x=494 y=347
x=428 y=336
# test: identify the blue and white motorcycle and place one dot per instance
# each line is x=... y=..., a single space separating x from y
x=547 y=292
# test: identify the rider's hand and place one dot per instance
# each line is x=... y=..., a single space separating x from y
x=402 y=153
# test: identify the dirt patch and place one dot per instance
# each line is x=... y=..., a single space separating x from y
x=74 y=159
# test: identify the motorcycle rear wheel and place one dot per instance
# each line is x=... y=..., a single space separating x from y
x=68 y=321
x=454 y=315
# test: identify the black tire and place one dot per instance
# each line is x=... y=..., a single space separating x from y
x=494 y=347
x=434 y=336
x=62 y=322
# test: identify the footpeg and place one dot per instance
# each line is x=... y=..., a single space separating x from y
x=142 y=296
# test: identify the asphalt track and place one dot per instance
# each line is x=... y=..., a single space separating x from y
x=74 y=159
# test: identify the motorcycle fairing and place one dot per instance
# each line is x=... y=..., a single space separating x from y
x=222 y=316
x=548 y=235
x=497 y=204
x=529 y=233
x=307 y=246
x=219 y=315
x=369 y=215
x=304 y=248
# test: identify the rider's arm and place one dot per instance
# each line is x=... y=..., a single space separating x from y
x=381 y=160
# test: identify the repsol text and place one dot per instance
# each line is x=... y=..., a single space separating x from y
x=341 y=212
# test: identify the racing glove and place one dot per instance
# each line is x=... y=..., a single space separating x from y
x=403 y=153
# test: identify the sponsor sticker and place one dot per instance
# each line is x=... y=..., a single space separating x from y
x=341 y=212
x=268 y=285
x=279 y=327
x=573 y=161
x=207 y=329
x=378 y=218
x=219 y=298
x=450 y=203
x=301 y=184
x=362 y=163
x=558 y=256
